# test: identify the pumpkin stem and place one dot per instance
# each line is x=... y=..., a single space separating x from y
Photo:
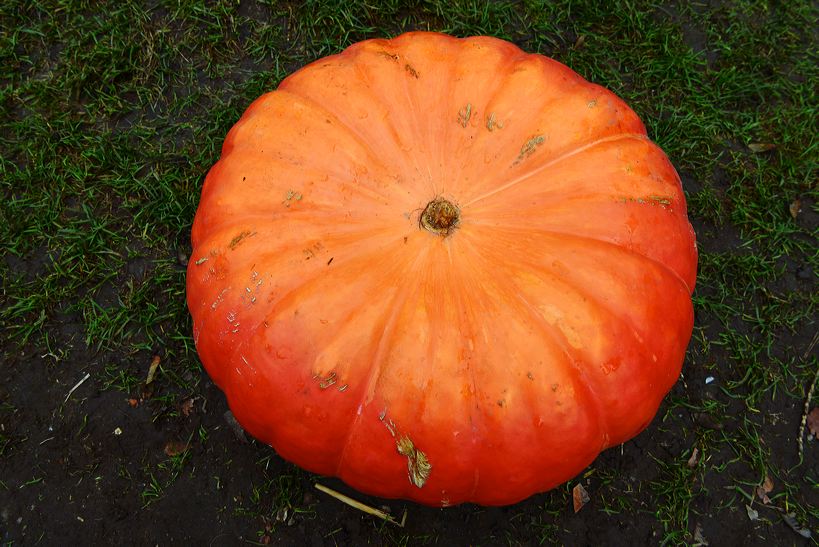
x=440 y=217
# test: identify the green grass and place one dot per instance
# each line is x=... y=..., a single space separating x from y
x=109 y=120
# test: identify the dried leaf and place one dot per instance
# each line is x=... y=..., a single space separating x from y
x=133 y=403
x=753 y=514
x=580 y=497
x=580 y=41
x=757 y=147
x=764 y=489
x=174 y=448
x=790 y=520
x=813 y=422
x=694 y=459
x=152 y=370
x=795 y=208
x=186 y=407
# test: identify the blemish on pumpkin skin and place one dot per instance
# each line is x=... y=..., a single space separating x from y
x=311 y=251
x=290 y=196
x=232 y=318
x=492 y=123
x=326 y=382
x=411 y=71
x=660 y=201
x=418 y=466
x=592 y=103
x=529 y=147
x=255 y=283
x=219 y=299
x=464 y=114
x=218 y=267
x=610 y=366
x=239 y=238
x=201 y=261
x=391 y=56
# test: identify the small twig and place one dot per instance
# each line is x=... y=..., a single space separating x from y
x=152 y=369
x=362 y=507
x=810 y=347
x=78 y=384
x=805 y=414
x=812 y=387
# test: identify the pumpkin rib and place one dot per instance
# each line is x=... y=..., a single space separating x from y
x=664 y=375
x=350 y=128
x=505 y=142
x=421 y=168
x=587 y=238
x=563 y=343
x=304 y=284
x=565 y=99
x=435 y=135
x=300 y=283
x=470 y=289
x=351 y=124
x=677 y=245
x=569 y=177
x=663 y=266
x=269 y=433
x=246 y=145
x=569 y=365
x=567 y=283
x=219 y=238
x=537 y=170
x=559 y=340
x=258 y=221
x=336 y=180
x=291 y=84
x=491 y=98
x=475 y=329
x=376 y=367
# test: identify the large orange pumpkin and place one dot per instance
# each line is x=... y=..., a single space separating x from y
x=442 y=269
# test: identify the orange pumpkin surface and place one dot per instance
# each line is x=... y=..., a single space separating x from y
x=442 y=269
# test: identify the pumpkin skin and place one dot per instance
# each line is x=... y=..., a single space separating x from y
x=481 y=350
